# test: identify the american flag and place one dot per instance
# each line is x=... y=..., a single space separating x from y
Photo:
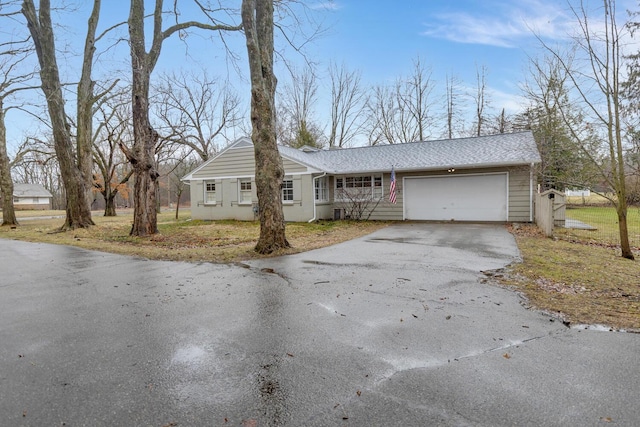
x=392 y=186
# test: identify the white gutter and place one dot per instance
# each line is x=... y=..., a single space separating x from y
x=313 y=192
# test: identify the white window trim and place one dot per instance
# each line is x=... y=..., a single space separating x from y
x=241 y=191
x=324 y=188
x=215 y=192
x=287 y=202
x=373 y=177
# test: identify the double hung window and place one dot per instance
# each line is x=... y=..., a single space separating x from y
x=287 y=190
x=244 y=185
x=321 y=190
x=209 y=192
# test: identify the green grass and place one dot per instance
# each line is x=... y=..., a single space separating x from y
x=605 y=221
x=582 y=283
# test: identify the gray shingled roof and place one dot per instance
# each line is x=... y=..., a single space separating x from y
x=484 y=151
x=30 y=190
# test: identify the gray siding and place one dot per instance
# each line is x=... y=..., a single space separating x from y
x=232 y=162
x=519 y=194
x=301 y=209
x=240 y=162
x=228 y=207
x=520 y=203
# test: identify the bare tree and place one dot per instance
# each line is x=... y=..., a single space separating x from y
x=296 y=124
x=196 y=112
x=12 y=55
x=402 y=112
x=417 y=99
x=258 y=23
x=348 y=100
x=381 y=116
x=481 y=99
x=75 y=163
x=112 y=173
x=564 y=163
x=599 y=90
x=502 y=123
x=453 y=96
x=142 y=154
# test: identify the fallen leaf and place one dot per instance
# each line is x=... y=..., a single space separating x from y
x=24 y=413
x=448 y=317
x=358 y=392
x=506 y=356
x=250 y=423
x=289 y=354
x=414 y=315
x=606 y=419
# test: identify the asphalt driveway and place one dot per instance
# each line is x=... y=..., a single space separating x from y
x=393 y=329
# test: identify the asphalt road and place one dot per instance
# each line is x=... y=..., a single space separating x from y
x=393 y=329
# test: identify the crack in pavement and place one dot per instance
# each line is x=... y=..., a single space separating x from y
x=407 y=364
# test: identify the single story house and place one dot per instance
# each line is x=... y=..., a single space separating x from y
x=31 y=197
x=486 y=178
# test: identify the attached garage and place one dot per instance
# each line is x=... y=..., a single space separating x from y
x=476 y=197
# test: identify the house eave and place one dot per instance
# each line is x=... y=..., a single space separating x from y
x=438 y=168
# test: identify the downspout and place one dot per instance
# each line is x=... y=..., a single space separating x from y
x=531 y=193
x=313 y=192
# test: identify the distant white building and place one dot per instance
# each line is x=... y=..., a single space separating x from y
x=31 y=197
x=577 y=193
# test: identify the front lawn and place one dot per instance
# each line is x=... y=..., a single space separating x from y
x=583 y=283
x=182 y=239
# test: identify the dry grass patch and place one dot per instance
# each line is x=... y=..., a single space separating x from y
x=583 y=283
x=186 y=240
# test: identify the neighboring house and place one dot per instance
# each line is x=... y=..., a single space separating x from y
x=577 y=192
x=31 y=197
x=487 y=178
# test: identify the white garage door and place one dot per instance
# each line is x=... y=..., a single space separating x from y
x=457 y=197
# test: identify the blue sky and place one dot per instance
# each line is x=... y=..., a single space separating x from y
x=382 y=38
x=379 y=38
x=452 y=37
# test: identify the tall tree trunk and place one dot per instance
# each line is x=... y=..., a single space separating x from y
x=78 y=208
x=257 y=19
x=145 y=138
x=85 y=104
x=110 y=203
x=6 y=183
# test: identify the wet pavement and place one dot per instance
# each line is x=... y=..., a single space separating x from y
x=393 y=329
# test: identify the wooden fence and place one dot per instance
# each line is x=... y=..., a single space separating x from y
x=549 y=209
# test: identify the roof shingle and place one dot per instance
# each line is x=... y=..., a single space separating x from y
x=484 y=151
